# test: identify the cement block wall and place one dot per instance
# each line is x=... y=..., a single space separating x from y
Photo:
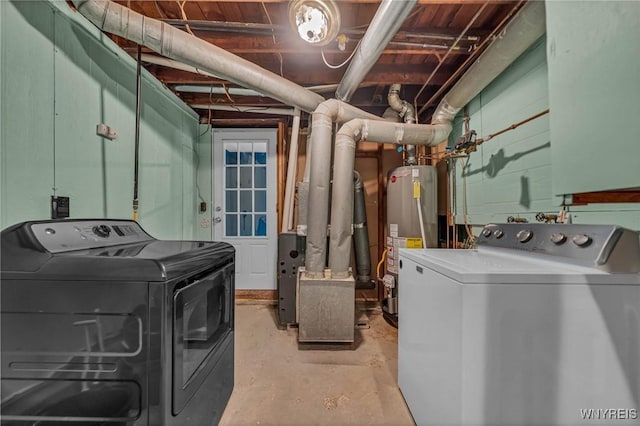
x=60 y=78
x=585 y=71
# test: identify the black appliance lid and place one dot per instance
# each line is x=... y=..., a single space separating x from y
x=100 y=249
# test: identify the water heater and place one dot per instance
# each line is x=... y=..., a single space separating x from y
x=411 y=199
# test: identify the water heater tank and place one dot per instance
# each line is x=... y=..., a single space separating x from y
x=402 y=209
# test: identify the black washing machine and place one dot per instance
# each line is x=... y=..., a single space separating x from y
x=103 y=324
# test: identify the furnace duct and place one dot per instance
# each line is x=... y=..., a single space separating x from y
x=518 y=35
x=407 y=113
x=181 y=46
x=323 y=117
x=384 y=25
x=524 y=29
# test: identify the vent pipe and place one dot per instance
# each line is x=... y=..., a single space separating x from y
x=521 y=32
x=322 y=120
x=361 y=235
x=181 y=46
x=385 y=24
x=344 y=157
x=405 y=111
x=518 y=35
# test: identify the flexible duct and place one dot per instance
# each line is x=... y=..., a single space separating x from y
x=181 y=46
x=407 y=112
x=344 y=157
x=319 y=179
x=525 y=28
x=361 y=235
x=520 y=33
x=384 y=25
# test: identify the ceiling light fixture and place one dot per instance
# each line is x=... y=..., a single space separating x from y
x=316 y=21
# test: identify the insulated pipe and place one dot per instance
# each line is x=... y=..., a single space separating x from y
x=170 y=63
x=344 y=157
x=253 y=110
x=289 y=191
x=406 y=111
x=179 y=45
x=524 y=29
x=385 y=24
x=520 y=33
x=361 y=233
x=319 y=179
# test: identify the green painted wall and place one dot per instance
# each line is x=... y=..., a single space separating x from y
x=58 y=83
x=509 y=175
x=204 y=189
x=515 y=173
x=594 y=93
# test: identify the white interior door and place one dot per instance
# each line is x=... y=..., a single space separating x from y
x=244 y=188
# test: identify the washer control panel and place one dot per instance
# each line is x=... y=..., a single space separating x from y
x=585 y=244
x=61 y=236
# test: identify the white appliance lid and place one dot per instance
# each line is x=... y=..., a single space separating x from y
x=500 y=266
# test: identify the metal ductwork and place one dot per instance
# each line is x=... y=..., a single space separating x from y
x=322 y=120
x=525 y=28
x=384 y=25
x=518 y=35
x=407 y=112
x=361 y=235
x=344 y=157
x=181 y=46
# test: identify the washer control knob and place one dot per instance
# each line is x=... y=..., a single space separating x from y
x=498 y=233
x=101 y=231
x=486 y=232
x=558 y=238
x=582 y=240
x=524 y=235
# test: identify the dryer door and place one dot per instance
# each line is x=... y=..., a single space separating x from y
x=202 y=321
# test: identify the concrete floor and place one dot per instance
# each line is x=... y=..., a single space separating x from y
x=279 y=383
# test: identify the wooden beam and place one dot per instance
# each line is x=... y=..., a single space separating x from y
x=245 y=122
x=314 y=51
x=624 y=196
x=281 y=165
x=265 y=296
x=431 y=2
x=234 y=48
x=380 y=74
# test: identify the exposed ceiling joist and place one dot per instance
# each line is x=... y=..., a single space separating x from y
x=259 y=31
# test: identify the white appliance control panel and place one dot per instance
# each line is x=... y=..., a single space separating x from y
x=603 y=246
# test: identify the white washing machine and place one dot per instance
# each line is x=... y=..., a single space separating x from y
x=539 y=325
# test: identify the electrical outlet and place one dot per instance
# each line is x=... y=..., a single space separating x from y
x=106 y=131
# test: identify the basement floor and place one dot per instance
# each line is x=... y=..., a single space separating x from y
x=278 y=382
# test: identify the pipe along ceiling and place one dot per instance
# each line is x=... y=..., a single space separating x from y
x=520 y=33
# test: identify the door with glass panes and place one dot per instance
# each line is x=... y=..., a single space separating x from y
x=244 y=215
